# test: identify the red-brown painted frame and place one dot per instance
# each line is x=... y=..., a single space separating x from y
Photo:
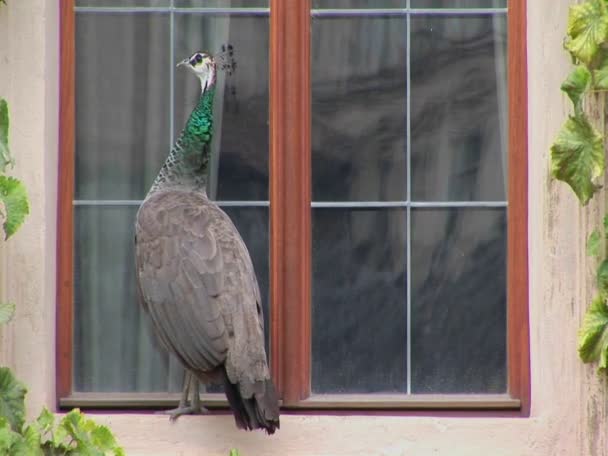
x=290 y=214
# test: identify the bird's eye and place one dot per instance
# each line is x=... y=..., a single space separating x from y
x=198 y=58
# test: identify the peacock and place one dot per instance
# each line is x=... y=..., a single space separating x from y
x=195 y=276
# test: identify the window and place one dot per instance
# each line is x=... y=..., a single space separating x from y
x=373 y=156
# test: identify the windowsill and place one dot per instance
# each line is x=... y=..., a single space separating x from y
x=435 y=402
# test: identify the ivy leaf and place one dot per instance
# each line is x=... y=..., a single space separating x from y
x=602 y=278
x=593 y=244
x=593 y=334
x=577 y=156
x=29 y=443
x=600 y=74
x=8 y=437
x=5 y=156
x=576 y=85
x=7 y=310
x=12 y=399
x=14 y=197
x=587 y=30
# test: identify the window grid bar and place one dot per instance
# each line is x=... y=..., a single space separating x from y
x=173 y=9
x=172 y=64
x=405 y=11
x=326 y=204
x=408 y=236
x=329 y=12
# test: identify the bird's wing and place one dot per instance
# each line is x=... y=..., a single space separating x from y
x=180 y=272
x=246 y=363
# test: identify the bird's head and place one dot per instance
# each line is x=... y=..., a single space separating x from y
x=203 y=66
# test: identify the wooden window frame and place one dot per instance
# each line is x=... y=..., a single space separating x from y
x=290 y=232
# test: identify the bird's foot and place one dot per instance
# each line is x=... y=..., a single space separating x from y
x=175 y=413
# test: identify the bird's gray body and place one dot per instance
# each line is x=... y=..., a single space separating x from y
x=195 y=276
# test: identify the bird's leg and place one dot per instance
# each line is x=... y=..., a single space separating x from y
x=188 y=408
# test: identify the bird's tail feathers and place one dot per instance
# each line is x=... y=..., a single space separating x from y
x=261 y=411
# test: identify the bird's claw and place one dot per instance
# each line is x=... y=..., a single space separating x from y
x=175 y=413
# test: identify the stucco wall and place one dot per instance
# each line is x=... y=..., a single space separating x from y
x=569 y=413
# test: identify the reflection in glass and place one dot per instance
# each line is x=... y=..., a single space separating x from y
x=124 y=3
x=458 y=108
x=359 y=4
x=459 y=3
x=122 y=100
x=458 y=300
x=221 y=3
x=114 y=349
x=358 y=301
x=359 y=109
x=240 y=170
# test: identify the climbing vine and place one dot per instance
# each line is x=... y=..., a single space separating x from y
x=578 y=154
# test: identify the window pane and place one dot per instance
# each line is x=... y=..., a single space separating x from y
x=458 y=108
x=122 y=96
x=114 y=349
x=359 y=109
x=459 y=3
x=241 y=105
x=359 y=313
x=359 y=3
x=125 y=117
x=222 y=3
x=458 y=300
x=123 y=3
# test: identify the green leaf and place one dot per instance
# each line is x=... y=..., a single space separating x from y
x=600 y=74
x=606 y=226
x=7 y=436
x=29 y=444
x=577 y=156
x=14 y=198
x=576 y=85
x=102 y=438
x=602 y=278
x=45 y=420
x=7 y=310
x=587 y=30
x=12 y=399
x=593 y=244
x=234 y=452
x=5 y=156
x=593 y=334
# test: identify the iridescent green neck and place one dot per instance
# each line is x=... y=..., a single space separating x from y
x=187 y=165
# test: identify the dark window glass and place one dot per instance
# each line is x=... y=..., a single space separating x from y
x=359 y=313
x=359 y=109
x=458 y=108
x=458 y=300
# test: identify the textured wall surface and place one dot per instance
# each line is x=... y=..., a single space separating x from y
x=569 y=412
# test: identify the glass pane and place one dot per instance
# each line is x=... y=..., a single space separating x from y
x=122 y=99
x=123 y=3
x=459 y=108
x=359 y=3
x=358 y=301
x=459 y=3
x=359 y=109
x=113 y=345
x=222 y=3
x=459 y=300
x=240 y=170
x=114 y=349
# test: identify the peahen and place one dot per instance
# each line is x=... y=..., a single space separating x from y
x=196 y=279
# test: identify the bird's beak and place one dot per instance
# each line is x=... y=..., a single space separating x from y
x=183 y=62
